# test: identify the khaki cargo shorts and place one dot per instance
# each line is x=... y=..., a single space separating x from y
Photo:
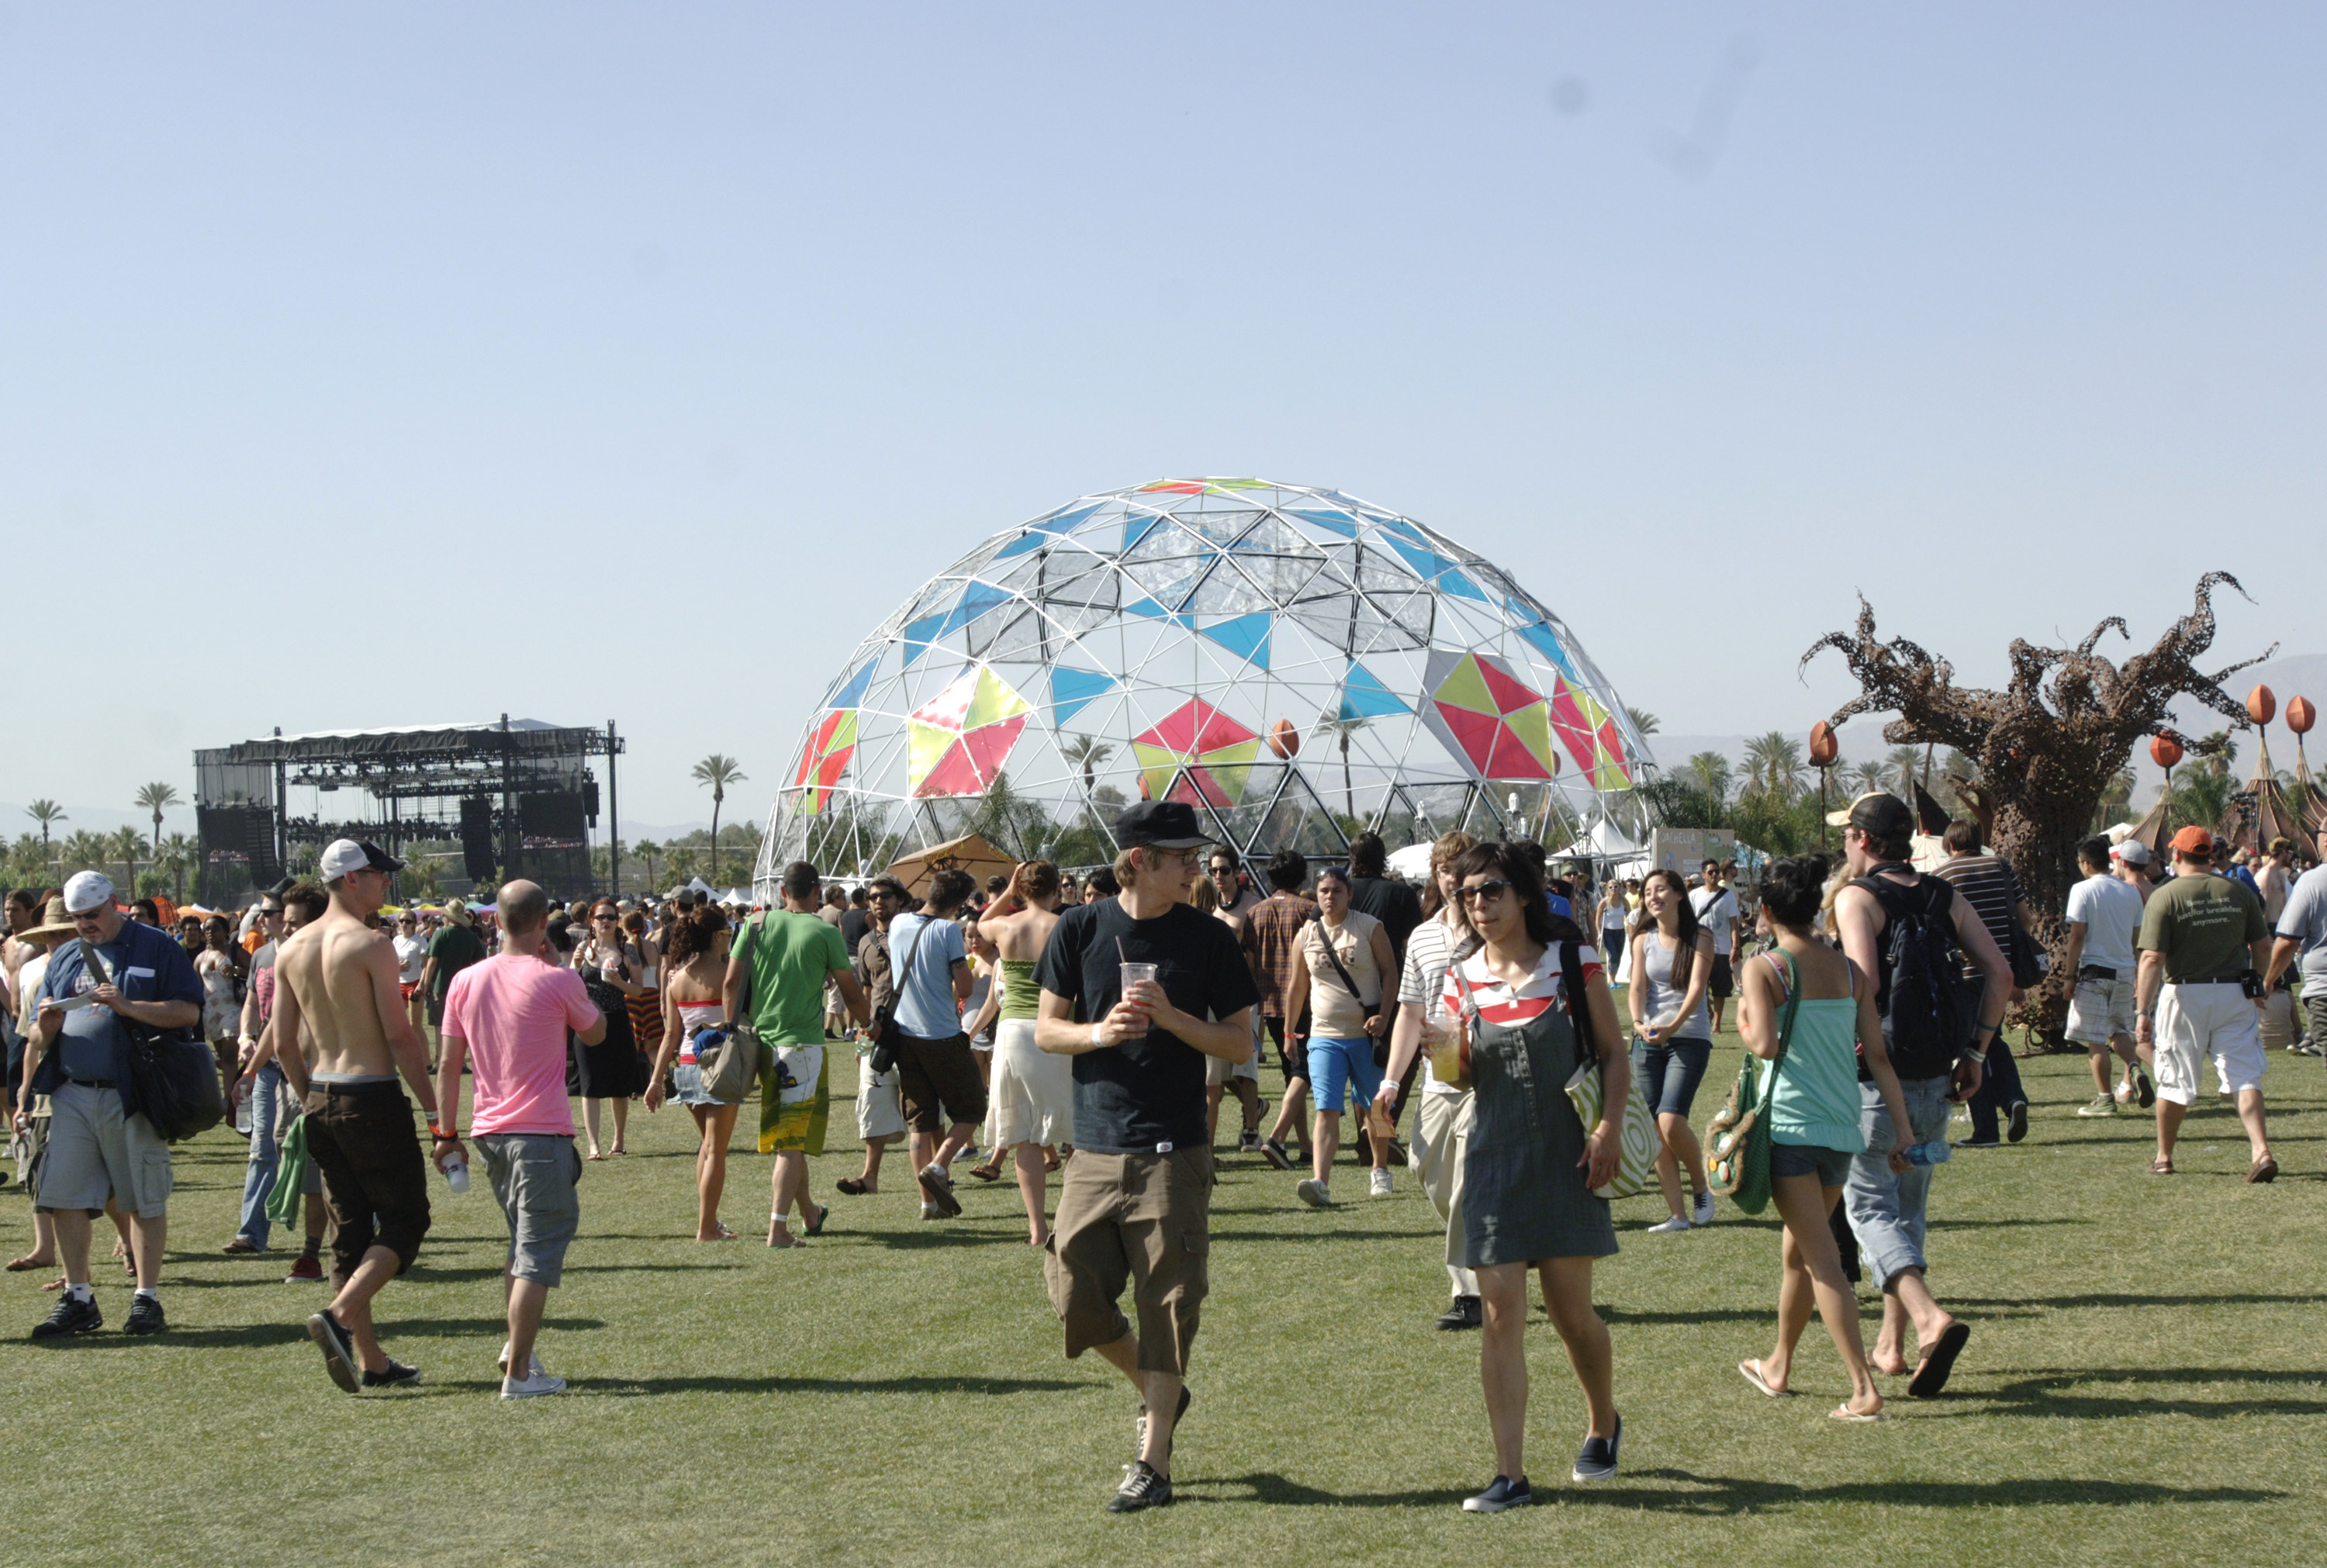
x=1145 y=1219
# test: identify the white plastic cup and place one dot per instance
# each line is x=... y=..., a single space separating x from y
x=456 y=1174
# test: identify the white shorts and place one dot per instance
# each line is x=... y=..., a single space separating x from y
x=880 y=1110
x=1034 y=1091
x=2100 y=1009
x=1217 y=1072
x=2197 y=1021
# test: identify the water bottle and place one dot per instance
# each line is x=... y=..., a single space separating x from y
x=456 y=1174
x=243 y=1115
x=1935 y=1152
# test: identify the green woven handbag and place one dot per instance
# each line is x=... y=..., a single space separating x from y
x=1737 y=1139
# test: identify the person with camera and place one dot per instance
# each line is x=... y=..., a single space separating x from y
x=2204 y=948
x=118 y=981
x=937 y=1072
x=1164 y=986
x=1896 y=923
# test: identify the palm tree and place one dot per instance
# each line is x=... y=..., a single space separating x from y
x=176 y=853
x=123 y=844
x=45 y=812
x=647 y=849
x=1711 y=772
x=1904 y=762
x=1866 y=779
x=1774 y=766
x=158 y=797
x=1343 y=729
x=718 y=771
x=1642 y=720
x=1086 y=752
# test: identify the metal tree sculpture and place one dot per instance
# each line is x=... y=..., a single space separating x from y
x=2047 y=745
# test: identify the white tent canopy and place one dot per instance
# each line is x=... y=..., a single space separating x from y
x=1602 y=841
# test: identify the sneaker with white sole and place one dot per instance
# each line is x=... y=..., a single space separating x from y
x=1701 y=1209
x=1312 y=1192
x=532 y=1387
x=1379 y=1184
x=1673 y=1226
x=339 y=1349
x=2099 y=1105
x=533 y=1366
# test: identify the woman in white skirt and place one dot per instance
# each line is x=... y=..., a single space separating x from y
x=1032 y=1098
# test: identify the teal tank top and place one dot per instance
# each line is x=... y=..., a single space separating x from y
x=1816 y=1102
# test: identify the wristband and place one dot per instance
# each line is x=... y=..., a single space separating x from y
x=1096 y=1042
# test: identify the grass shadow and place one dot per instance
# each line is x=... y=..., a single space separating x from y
x=647 y=1387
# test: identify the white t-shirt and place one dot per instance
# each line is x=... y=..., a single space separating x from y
x=411 y=953
x=2303 y=921
x=1717 y=908
x=2110 y=913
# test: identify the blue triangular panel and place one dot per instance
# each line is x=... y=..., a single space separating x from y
x=1545 y=642
x=1457 y=584
x=1427 y=563
x=920 y=634
x=1032 y=539
x=975 y=601
x=1363 y=695
x=1060 y=522
x=1340 y=523
x=1246 y=636
x=852 y=692
x=1072 y=690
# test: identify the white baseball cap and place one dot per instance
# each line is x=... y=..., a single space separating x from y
x=86 y=891
x=2133 y=851
x=342 y=856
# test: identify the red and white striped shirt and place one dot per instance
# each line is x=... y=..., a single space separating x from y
x=1502 y=1004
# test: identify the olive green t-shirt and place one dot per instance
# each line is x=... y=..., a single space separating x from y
x=2203 y=925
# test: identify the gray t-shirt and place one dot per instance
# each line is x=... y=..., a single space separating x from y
x=2304 y=922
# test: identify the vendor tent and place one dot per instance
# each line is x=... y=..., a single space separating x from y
x=970 y=852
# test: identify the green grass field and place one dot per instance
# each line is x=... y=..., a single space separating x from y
x=2144 y=1385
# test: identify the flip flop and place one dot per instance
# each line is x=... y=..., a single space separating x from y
x=2264 y=1169
x=24 y=1264
x=823 y=1213
x=1845 y=1412
x=1938 y=1362
x=853 y=1185
x=2161 y=1166
x=1752 y=1372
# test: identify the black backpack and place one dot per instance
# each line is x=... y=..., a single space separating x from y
x=1929 y=1011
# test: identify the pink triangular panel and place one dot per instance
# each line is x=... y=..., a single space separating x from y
x=989 y=746
x=1511 y=695
x=1476 y=731
x=1512 y=759
x=954 y=774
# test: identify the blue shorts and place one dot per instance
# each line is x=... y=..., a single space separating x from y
x=1339 y=1067
x=1669 y=1074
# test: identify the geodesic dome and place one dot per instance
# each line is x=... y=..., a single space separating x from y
x=1294 y=662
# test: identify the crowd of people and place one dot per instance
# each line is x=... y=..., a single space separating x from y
x=1039 y=1026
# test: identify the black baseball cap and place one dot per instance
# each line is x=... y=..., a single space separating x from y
x=1160 y=825
x=1879 y=815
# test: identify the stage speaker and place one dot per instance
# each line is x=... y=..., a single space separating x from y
x=477 y=853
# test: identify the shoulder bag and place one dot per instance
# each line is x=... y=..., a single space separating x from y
x=729 y=1059
x=1737 y=1139
x=172 y=1076
x=883 y=1028
x=1636 y=1138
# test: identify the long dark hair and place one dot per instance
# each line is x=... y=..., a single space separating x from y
x=1687 y=935
x=1514 y=865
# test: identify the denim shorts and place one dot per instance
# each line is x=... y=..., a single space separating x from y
x=1670 y=1074
x=1339 y=1067
x=1830 y=1166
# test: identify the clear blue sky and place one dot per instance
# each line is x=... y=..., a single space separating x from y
x=649 y=355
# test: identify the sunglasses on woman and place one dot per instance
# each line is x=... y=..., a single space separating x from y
x=1485 y=892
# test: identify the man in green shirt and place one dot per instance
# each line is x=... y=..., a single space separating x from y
x=776 y=975
x=450 y=950
x=2200 y=936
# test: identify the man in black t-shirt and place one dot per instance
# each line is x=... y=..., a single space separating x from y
x=1136 y=1201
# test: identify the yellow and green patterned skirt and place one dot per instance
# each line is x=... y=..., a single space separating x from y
x=795 y=1099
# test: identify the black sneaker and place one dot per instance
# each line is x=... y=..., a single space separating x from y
x=398 y=1376
x=1142 y=1489
x=2018 y=1127
x=339 y=1348
x=2143 y=1090
x=1463 y=1313
x=1597 y=1463
x=1274 y=1152
x=71 y=1316
x=1979 y=1143
x=144 y=1316
x=1502 y=1493
x=1248 y=1142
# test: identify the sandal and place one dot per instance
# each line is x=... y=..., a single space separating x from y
x=2264 y=1169
x=989 y=1171
x=1845 y=1412
x=854 y=1186
x=20 y=1265
x=1752 y=1372
x=2161 y=1166
x=1938 y=1362
x=823 y=1213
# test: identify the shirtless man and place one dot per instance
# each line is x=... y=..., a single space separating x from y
x=337 y=981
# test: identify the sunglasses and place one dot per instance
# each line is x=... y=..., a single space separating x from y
x=91 y=918
x=1485 y=892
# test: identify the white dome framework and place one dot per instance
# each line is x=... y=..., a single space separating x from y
x=1294 y=662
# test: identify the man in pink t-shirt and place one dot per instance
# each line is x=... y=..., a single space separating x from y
x=507 y=1018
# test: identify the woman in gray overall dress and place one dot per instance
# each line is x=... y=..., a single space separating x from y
x=1527 y=1201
